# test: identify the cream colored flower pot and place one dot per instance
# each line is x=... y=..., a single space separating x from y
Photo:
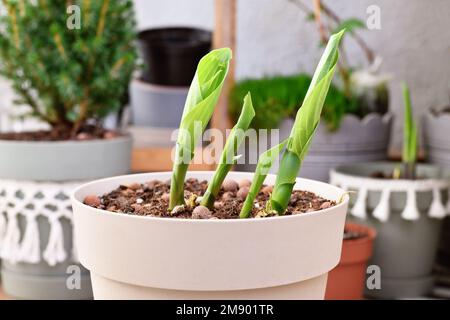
x=138 y=257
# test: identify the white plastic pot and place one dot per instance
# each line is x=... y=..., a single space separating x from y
x=138 y=257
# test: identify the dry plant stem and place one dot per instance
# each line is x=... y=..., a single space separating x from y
x=368 y=52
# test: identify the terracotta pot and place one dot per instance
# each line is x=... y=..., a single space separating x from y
x=138 y=257
x=346 y=281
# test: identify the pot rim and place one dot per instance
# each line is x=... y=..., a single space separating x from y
x=159 y=88
x=343 y=171
x=370 y=234
x=124 y=136
x=75 y=198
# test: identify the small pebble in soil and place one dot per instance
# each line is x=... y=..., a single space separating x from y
x=227 y=196
x=84 y=136
x=134 y=186
x=165 y=196
x=325 y=205
x=267 y=189
x=230 y=185
x=92 y=200
x=201 y=212
x=244 y=183
x=139 y=200
x=218 y=205
x=242 y=193
x=109 y=135
x=152 y=183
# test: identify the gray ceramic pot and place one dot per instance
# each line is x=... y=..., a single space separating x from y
x=437 y=144
x=357 y=140
x=155 y=105
x=404 y=249
x=31 y=164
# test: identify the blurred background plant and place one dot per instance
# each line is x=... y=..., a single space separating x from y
x=277 y=98
x=357 y=91
x=69 y=77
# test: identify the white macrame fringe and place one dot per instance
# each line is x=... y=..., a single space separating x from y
x=16 y=247
x=2 y=228
x=30 y=247
x=359 y=208
x=437 y=209
x=54 y=252
x=448 y=202
x=411 y=212
x=382 y=210
x=11 y=246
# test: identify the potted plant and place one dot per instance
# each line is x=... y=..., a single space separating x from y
x=356 y=124
x=405 y=203
x=347 y=281
x=170 y=56
x=211 y=238
x=70 y=79
x=436 y=122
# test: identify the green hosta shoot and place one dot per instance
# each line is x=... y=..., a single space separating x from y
x=262 y=169
x=229 y=155
x=306 y=122
x=409 y=156
x=198 y=109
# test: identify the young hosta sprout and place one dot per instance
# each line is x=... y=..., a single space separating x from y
x=228 y=157
x=306 y=122
x=409 y=156
x=262 y=169
x=198 y=109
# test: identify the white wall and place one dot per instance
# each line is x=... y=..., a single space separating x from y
x=274 y=38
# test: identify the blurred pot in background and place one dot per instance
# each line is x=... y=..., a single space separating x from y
x=407 y=216
x=157 y=96
x=171 y=55
x=347 y=280
x=436 y=132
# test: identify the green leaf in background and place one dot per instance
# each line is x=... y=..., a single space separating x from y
x=305 y=125
x=229 y=154
x=350 y=25
x=200 y=103
x=280 y=97
x=265 y=162
x=409 y=155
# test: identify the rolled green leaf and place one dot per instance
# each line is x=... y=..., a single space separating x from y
x=265 y=162
x=409 y=155
x=229 y=154
x=306 y=122
x=202 y=98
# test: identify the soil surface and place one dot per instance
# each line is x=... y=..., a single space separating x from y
x=85 y=133
x=152 y=199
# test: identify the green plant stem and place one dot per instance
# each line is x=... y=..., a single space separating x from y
x=228 y=157
x=262 y=169
x=285 y=181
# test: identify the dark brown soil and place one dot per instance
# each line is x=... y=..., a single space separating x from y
x=85 y=133
x=152 y=199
